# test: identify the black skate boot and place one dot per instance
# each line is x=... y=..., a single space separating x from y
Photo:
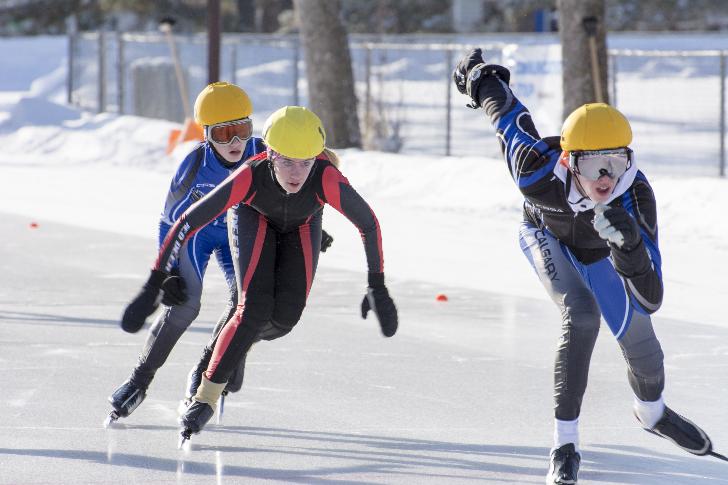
x=564 y=466
x=683 y=432
x=193 y=382
x=194 y=419
x=124 y=401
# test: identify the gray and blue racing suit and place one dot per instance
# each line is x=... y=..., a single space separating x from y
x=200 y=172
x=585 y=277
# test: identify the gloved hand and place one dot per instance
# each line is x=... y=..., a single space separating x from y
x=471 y=70
x=378 y=300
x=615 y=225
x=144 y=303
x=175 y=289
x=326 y=240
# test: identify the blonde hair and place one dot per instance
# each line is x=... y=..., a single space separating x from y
x=332 y=157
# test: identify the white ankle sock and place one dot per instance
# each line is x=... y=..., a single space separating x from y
x=566 y=432
x=648 y=412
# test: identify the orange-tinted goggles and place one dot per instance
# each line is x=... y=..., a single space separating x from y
x=225 y=133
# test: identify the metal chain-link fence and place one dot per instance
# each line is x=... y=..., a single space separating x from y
x=674 y=99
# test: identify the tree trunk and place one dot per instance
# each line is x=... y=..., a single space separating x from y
x=576 y=51
x=328 y=70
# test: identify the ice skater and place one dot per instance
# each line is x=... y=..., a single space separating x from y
x=275 y=203
x=224 y=111
x=590 y=233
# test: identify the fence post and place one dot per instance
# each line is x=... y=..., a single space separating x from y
x=101 y=102
x=613 y=94
x=71 y=54
x=120 y=71
x=448 y=108
x=722 y=114
x=296 y=55
x=234 y=64
x=367 y=90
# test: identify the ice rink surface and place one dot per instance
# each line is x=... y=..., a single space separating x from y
x=462 y=393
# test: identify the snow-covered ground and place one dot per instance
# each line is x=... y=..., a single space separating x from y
x=449 y=225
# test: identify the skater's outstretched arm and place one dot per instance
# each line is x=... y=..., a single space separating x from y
x=529 y=157
x=338 y=193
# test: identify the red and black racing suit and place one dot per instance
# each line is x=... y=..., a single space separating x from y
x=275 y=239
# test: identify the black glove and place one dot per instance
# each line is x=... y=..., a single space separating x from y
x=615 y=225
x=326 y=240
x=471 y=70
x=144 y=303
x=175 y=289
x=378 y=300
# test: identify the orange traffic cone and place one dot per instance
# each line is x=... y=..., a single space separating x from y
x=190 y=131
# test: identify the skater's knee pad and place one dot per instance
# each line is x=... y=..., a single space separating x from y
x=647 y=388
x=581 y=309
x=645 y=371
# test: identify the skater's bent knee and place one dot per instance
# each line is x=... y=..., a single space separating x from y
x=581 y=308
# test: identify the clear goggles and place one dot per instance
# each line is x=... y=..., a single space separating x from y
x=225 y=133
x=593 y=164
x=285 y=162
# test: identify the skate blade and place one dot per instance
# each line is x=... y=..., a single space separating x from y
x=718 y=455
x=184 y=439
x=110 y=419
x=220 y=409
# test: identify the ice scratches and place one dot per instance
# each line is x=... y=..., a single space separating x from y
x=111 y=444
x=120 y=276
x=186 y=453
x=219 y=467
x=22 y=399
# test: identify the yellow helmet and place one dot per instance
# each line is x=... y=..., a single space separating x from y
x=295 y=132
x=220 y=102
x=595 y=126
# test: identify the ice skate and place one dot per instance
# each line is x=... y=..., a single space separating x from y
x=124 y=401
x=194 y=419
x=684 y=433
x=193 y=382
x=564 y=466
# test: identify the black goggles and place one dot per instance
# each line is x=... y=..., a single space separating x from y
x=225 y=133
x=593 y=164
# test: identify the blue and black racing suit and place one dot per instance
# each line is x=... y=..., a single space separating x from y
x=584 y=276
x=200 y=172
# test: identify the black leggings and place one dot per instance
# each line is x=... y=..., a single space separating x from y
x=274 y=272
